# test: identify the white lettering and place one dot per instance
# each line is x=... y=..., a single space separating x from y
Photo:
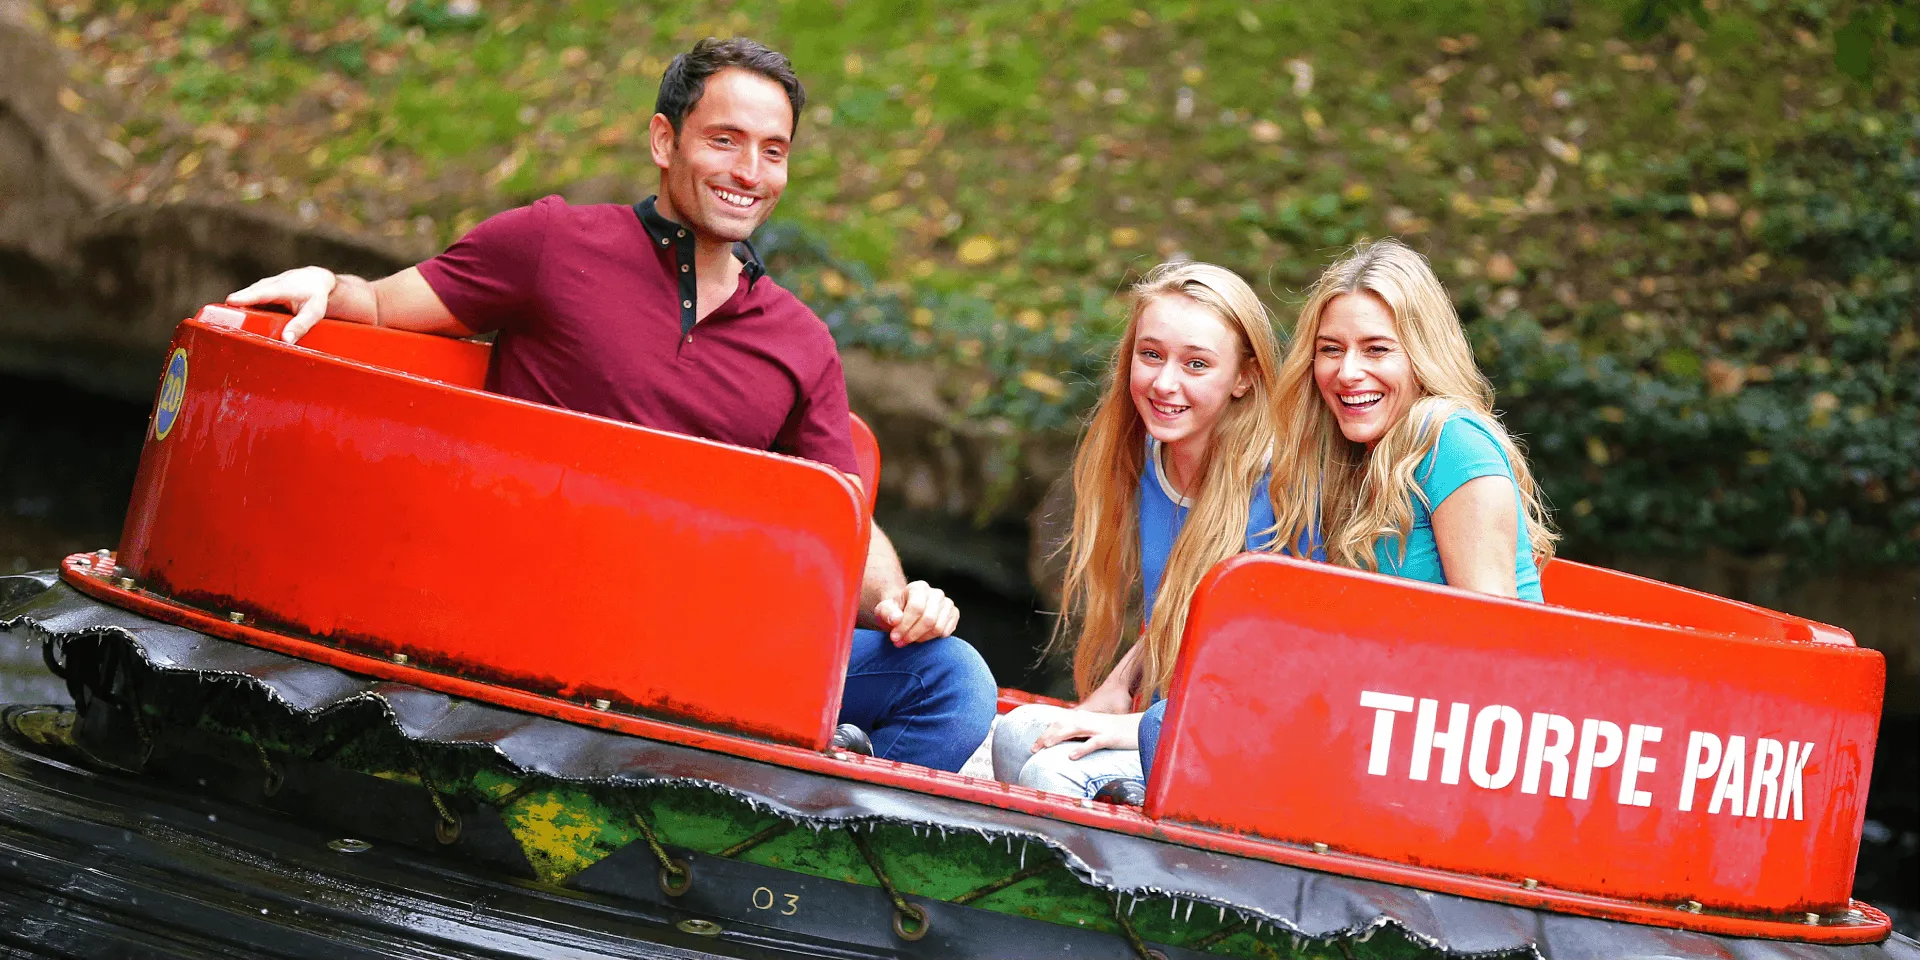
x=1510 y=721
x=1767 y=771
x=1635 y=765
x=1539 y=751
x=1591 y=730
x=1385 y=707
x=1791 y=779
x=1704 y=758
x=1448 y=742
x=1727 y=787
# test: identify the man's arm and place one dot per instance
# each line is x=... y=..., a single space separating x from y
x=908 y=612
x=403 y=301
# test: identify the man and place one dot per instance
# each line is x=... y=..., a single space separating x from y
x=659 y=314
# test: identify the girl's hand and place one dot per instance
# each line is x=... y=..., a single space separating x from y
x=1094 y=731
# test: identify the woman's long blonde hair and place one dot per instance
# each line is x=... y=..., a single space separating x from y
x=1103 y=551
x=1357 y=497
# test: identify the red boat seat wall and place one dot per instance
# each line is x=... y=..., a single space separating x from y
x=1398 y=720
x=492 y=538
x=1601 y=591
x=462 y=363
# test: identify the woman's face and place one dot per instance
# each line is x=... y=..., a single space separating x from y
x=1186 y=369
x=1362 y=371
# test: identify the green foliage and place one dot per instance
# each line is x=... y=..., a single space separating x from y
x=1683 y=230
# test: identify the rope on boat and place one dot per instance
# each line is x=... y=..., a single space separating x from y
x=676 y=878
x=765 y=835
x=275 y=780
x=1141 y=950
x=447 y=829
x=903 y=911
x=1218 y=936
x=1004 y=883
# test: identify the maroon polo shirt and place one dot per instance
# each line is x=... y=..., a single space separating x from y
x=595 y=311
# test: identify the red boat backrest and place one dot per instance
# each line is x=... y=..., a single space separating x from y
x=472 y=534
x=1591 y=753
x=1602 y=591
x=462 y=363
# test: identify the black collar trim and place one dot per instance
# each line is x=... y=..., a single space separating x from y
x=668 y=233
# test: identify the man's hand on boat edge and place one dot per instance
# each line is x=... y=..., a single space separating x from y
x=403 y=300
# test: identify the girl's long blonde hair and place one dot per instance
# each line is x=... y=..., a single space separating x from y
x=1102 y=586
x=1357 y=497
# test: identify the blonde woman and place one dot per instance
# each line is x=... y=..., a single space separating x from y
x=1170 y=478
x=1388 y=441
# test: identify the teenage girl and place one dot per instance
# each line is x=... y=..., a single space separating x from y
x=1170 y=478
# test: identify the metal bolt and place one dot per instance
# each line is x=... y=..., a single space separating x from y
x=1530 y=883
x=1813 y=918
x=1087 y=802
x=700 y=926
x=103 y=552
x=400 y=658
x=126 y=583
x=601 y=704
x=236 y=617
x=1320 y=847
x=1692 y=907
x=349 y=845
x=840 y=755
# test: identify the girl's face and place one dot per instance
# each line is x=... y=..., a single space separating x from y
x=1186 y=369
x=1363 y=373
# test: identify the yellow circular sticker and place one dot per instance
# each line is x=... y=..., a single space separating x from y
x=173 y=392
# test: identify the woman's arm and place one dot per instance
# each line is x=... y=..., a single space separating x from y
x=1116 y=694
x=1475 y=531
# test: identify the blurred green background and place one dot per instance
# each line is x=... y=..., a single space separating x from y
x=1682 y=233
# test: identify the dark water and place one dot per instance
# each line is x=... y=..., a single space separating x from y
x=67 y=460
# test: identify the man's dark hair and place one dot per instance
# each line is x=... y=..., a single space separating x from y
x=686 y=78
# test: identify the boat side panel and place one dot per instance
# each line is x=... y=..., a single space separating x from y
x=1430 y=726
x=500 y=540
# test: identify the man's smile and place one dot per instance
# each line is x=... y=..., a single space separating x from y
x=739 y=201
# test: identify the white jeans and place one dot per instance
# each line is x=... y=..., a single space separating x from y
x=1052 y=770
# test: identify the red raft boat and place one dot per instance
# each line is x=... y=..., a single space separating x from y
x=1631 y=768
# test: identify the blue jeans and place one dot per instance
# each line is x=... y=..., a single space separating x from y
x=929 y=703
x=1151 y=736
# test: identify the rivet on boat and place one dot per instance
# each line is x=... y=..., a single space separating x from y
x=840 y=755
x=400 y=658
x=236 y=617
x=1320 y=847
x=601 y=704
x=700 y=926
x=126 y=583
x=1812 y=918
x=349 y=845
x=1530 y=883
x=1087 y=802
x=1692 y=907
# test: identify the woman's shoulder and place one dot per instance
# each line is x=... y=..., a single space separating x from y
x=1468 y=446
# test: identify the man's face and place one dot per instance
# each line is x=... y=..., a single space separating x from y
x=725 y=171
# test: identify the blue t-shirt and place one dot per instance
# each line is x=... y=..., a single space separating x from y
x=1465 y=450
x=1162 y=512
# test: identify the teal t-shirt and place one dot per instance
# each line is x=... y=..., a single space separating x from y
x=1465 y=450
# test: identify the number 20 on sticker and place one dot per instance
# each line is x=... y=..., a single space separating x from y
x=765 y=899
x=173 y=392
